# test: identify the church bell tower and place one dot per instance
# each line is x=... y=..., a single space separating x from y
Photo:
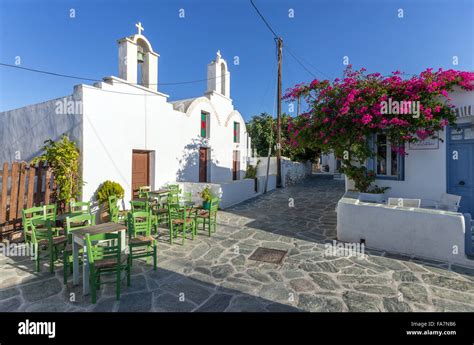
x=138 y=63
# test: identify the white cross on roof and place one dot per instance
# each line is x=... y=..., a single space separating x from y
x=140 y=28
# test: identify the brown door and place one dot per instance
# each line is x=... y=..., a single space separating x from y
x=140 y=171
x=202 y=164
x=235 y=165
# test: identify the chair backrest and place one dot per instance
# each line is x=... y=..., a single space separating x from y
x=27 y=214
x=78 y=222
x=49 y=212
x=35 y=213
x=113 y=209
x=404 y=202
x=174 y=188
x=103 y=246
x=450 y=201
x=140 y=206
x=173 y=198
x=144 y=191
x=79 y=207
x=140 y=224
x=176 y=211
x=41 y=230
x=214 y=205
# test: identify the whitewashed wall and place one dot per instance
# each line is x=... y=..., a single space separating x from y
x=24 y=130
x=117 y=123
x=329 y=160
x=419 y=232
x=425 y=170
x=231 y=192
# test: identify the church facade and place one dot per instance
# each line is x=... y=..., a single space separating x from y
x=129 y=132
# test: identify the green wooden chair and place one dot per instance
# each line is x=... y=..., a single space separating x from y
x=145 y=206
x=79 y=207
x=173 y=198
x=160 y=213
x=174 y=188
x=140 y=206
x=208 y=216
x=180 y=220
x=74 y=223
x=44 y=240
x=144 y=191
x=115 y=214
x=104 y=253
x=141 y=243
x=27 y=215
x=39 y=212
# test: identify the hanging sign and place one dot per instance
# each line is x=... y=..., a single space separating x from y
x=427 y=144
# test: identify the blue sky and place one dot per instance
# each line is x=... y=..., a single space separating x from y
x=321 y=33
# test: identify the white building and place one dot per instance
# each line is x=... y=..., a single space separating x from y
x=429 y=170
x=129 y=132
x=433 y=167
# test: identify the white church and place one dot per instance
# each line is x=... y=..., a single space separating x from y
x=129 y=132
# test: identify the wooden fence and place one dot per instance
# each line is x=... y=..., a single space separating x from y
x=21 y=186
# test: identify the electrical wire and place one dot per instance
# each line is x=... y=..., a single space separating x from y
x=99 y=80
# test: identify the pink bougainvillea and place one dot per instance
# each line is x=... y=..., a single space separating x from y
x=343 y=114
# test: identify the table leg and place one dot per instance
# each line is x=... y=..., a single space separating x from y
x=85 y=272
x=75 y=263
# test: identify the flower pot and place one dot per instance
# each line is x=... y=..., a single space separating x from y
x=104 y=213
x=372 y=197
x=206 y=205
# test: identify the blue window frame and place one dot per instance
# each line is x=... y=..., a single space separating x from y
x=387 y=164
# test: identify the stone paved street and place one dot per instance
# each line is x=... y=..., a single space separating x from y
x=215 y=273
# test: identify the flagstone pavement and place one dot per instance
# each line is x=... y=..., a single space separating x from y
x=215 y=273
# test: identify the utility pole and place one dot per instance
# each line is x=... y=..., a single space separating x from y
x=299 y=106
x=278 y=144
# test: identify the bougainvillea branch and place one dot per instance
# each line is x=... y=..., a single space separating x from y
x=345 y=114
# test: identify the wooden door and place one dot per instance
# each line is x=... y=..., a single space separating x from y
x=140 y=171
x=235 y=165
x=202 y=164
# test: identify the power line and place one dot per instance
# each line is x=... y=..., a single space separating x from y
x=287 y=49
x=264 y=20
x=300 y=62
x=99 y=80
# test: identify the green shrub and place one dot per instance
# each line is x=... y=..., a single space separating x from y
x=109 y=188
x=62 y=157
x=206 y=194
x=251 y=171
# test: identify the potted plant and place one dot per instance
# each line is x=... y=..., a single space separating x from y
x=206 y=196
x=106 y=189
x=363 y=182
x=373 y=194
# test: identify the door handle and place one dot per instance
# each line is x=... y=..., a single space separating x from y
x=462 y=183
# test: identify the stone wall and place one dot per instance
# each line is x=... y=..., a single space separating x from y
x=294 y=172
